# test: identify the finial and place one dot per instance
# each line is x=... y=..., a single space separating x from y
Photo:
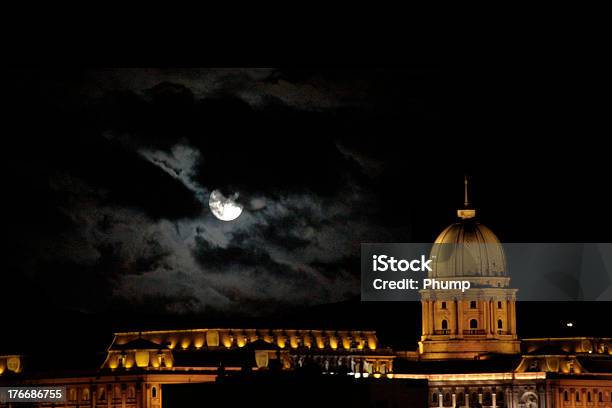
x=466 y=202
x=466 y=212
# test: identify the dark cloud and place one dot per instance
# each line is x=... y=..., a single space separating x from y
x=110 y=173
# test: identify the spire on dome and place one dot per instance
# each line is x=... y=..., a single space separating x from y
x=466 y=212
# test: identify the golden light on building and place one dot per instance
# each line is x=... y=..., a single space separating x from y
x=333 y=342
x=185 y=343
x=198 y=343
x=241 y=340
x=261 y=359
x=129 y=361
x=320 y=342
x=371 y=342
x=346 y=342
x=212 y=338
x=142 y=358
x=307 y=340
x=227 y=340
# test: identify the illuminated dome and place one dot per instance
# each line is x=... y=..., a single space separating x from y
x=468 y=249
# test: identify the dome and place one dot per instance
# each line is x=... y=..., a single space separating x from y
x=467 y=249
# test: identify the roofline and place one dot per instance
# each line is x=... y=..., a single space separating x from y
x=566 y=338
x=231 y=328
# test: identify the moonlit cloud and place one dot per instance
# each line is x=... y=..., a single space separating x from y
x=180 y=163
x=135 y=230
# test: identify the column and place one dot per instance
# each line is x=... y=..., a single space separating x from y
x=454 y=396
x=452 y=324
x=541 y=398
x=440 y=402
x=424 y=331
x=508 y=398
x=513 y=314
x=509 y=314
x=494 y=399
x=486 y=318
x=460 y=319
x=493 y=319
x=430 y=317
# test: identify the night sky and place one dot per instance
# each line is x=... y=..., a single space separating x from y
x=110 y=170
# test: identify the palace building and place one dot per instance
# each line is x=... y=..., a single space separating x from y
x=469 y=353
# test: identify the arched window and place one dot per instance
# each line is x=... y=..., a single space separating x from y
x=600 y=396
x=434 y=397
x=85 y=394
x=473 y=304
x=473 y=324
x=565 y=396
x=589 y=397
x=444 y=324
x=500 y=324
x=447 y=399
x=154 y=392
x=577 y=396
x=461 y=399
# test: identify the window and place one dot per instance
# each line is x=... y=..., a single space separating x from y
x=154 y=392
x=461 y=399
x=473 y=304
x=600 y=397
x=500 y=324
x=85 y=394
x=589 y=397
x=444 y=324
x=101 y=394
x=577 y=396
x=434 y=398
x=487 y=398
x=499 y=304
x=565 y=396
x=473 y=324
x=443 y=306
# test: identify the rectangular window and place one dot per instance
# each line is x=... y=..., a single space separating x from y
x=443 y=305
x=499 y=305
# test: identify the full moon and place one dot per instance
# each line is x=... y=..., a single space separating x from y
x=224 y=208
